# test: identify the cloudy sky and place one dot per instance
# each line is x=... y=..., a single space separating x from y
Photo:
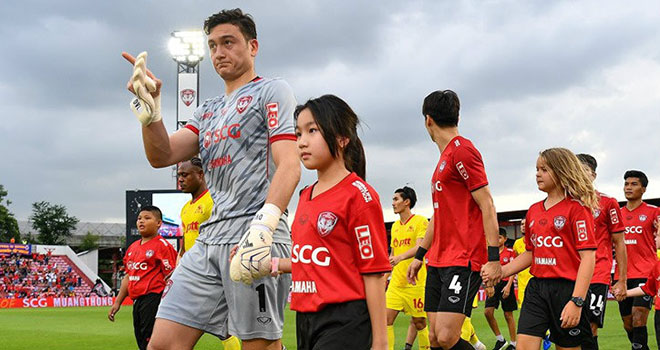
x=531 y=75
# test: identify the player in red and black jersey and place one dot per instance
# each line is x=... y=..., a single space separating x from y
x=464 y=220
x=149 y=262
x=638 y=219
x=561 y=249
x=608 y=231
x=339 y=250
x=651 y=288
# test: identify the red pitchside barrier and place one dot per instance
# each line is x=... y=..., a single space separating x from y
x=60 y=302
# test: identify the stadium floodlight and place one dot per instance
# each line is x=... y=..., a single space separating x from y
x=187 y=47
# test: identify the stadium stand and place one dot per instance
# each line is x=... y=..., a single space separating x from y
x=41 y=275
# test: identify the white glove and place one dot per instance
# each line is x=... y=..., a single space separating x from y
x=145 y=107
x=252 y=260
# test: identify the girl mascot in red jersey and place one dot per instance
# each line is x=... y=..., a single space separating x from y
x=560 y=248
x=339 y=239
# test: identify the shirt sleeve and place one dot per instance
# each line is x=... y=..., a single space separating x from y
x=614 y=223
x=167 y=257
x=195 y=122
x=369 y=238
x=470 y=167
x=528 y=233
x=582 y=225
x=278 y=106
x=421 y=228
x=651 y=285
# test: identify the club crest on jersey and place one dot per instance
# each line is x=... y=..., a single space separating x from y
x=243 y=103
x=461 y=170
x=325 y=223
x=188 y=96
x=149 y=253
x=442 y=166
x=581 y=227
x=642 y=218
x=596 y=213
x=559 y=222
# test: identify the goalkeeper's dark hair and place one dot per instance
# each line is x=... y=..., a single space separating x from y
x=243 y=21
x=336 y=119
x=588 y=160
x=443 y=107
x=154 y=210
x=638 y=174
x=409 y=194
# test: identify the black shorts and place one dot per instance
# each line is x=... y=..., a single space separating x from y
x=337 y=326
x=508 y=304
x=597 y=301
x=144 y=316
x=625 y=306
x=545 y=299
x=451 y=289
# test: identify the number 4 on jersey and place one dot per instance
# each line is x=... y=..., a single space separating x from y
x=455 y=285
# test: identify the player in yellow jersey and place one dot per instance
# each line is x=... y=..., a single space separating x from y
x=407 y=233
x=524 y=275
x=190 y=177
x=467 y=330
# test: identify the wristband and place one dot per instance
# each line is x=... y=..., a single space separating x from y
x=419 y=255
x=275 y=267
x=493 y=254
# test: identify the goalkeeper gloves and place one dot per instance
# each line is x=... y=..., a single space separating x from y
x=252 y=259
x=144 y=106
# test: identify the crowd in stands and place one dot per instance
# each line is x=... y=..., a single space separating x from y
x=35 y=276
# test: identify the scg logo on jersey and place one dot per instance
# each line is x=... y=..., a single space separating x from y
x=547 y=241
x=226 y=131
x=307 y=254
x=134 y=265
x=634 y=229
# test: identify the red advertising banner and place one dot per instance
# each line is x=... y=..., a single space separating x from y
x=60 y=302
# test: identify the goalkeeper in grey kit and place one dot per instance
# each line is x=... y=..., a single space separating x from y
x=246 y=141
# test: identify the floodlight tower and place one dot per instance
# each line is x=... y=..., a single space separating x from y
x=187 y=49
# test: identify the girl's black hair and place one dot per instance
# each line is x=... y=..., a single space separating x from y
x=336 y=119
x=408 y=193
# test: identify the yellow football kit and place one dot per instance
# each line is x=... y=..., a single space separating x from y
x=524 y=275
x=193 y=214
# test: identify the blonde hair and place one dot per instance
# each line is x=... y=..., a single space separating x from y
x=568 y=172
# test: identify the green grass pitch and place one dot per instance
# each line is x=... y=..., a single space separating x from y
x=89 y=329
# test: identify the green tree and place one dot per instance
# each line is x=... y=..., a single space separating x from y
x=52 y=222
x=8 y=223
x=89 y=242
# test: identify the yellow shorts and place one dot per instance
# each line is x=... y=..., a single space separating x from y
x=409 y=300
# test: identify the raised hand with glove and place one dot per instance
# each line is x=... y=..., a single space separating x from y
x=146 y=87
x=252 y=259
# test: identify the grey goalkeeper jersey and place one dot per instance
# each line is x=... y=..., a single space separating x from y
x=235 y=133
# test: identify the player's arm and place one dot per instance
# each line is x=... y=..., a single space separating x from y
x=635 y=292
x=570 y=315
x=374 y=288
x=407 y=254
x=518 y=264
x=287 y=173
x=619 y=243
x=492 y=270
x=123 y=293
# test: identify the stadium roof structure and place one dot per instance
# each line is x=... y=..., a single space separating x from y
x=110 y=234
